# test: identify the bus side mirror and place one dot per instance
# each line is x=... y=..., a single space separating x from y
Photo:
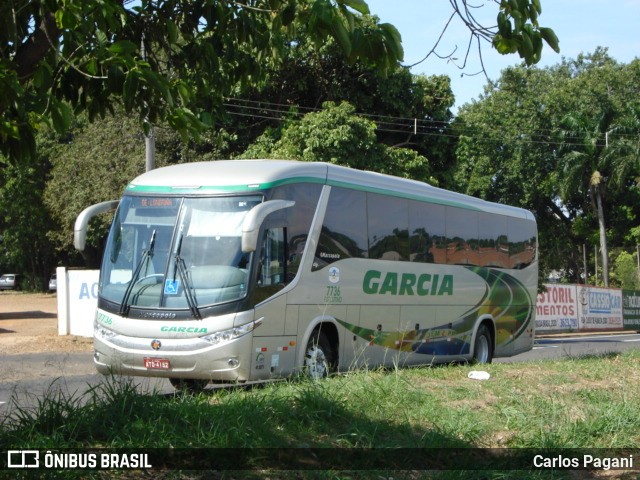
x=80 y=228
x=255 y=217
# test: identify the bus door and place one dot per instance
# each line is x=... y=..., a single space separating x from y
x=275 y=340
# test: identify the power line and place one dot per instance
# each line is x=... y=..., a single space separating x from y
x=394 y=124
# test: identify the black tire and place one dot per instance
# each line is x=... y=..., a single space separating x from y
x=483 y=346
x=318 y=356
x=189 y=385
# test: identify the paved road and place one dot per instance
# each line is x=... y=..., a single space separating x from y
x=554 y=347
x=44 y=374
x=47 y=374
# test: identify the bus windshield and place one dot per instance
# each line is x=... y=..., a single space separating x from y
x=176 y=252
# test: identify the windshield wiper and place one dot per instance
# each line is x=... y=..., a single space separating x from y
x=186 y=284
x=146 y=255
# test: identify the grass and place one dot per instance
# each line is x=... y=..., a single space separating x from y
x=589 y=402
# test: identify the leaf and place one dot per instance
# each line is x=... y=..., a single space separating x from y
x=92 y=67
x=62 y=116
x=207 y=119
x=101 y=37
x=125 y=47
x=158 y=83
x=42 y=78
x=342 y=36
x=130 y=90
x=550 y=37
x=357 y=5
x=184 y=92
x=66 y=20
x=289 y=14
x=536 y=4
x=504 y=25
x=393 y=42
x=505 y=46
x=172 y=31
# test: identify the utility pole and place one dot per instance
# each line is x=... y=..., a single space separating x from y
x=150 y=137
x=584 y=260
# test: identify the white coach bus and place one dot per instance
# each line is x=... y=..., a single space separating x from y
x=232 y=271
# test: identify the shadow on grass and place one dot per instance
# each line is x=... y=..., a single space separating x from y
x=292 y=429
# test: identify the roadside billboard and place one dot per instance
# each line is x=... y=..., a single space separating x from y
x=631 y=309
x=599 y=308
x=556 y=308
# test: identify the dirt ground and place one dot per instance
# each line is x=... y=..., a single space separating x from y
x=29 y=324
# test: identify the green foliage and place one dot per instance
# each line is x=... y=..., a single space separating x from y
x=625 y=271
x=97 y=163
x=337 y=135
x=518 y=145
x=309 y=76
x=24 y=222
x=170 y=62
x=518 y=30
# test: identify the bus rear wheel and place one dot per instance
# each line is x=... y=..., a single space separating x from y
x=483 y=346
x=318 y=356
x=189 y=385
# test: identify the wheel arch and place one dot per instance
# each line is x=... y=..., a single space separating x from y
x=489 y=322
x=329 y=326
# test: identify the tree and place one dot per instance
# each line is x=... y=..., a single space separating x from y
x=504 y=155
x=517 y=31
x=24 y=222
x=412 y=111
x=161 y=58
x=517 y=145
x=95 y=163
x=626 y=272
x=337 y=135
x=176 y=60
x=582 y=165
x=597 y=162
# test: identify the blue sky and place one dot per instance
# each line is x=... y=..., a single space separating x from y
x=581 y=25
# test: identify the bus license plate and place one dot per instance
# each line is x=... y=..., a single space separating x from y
x=156 y=363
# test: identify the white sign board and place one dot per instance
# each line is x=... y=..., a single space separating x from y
x=599 y=308
x=557 y=308
x=77 y=301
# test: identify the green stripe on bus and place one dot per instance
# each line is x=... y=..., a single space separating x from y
x=208 y=189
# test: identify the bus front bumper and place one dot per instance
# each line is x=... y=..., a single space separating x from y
x=193 y=358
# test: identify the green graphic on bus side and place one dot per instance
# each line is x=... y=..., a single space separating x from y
x=506 y=300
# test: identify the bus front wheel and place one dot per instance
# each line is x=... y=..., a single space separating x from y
x=318 y=356
x=483 y=348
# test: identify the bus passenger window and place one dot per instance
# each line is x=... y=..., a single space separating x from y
x=462 y=236
x=344 y=231
x=522 y=242
x=427 y=229
x=388 y=226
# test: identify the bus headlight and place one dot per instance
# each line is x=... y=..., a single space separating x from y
x=225 y=336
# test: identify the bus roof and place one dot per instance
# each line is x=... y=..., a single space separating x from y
x=225 y=176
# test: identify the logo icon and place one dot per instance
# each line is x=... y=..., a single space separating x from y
x=156 y=344
x=23 y=459
x=334 y=274
x=171 y=287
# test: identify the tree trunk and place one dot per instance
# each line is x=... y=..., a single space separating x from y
x=30 y=54
x=603 y=236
